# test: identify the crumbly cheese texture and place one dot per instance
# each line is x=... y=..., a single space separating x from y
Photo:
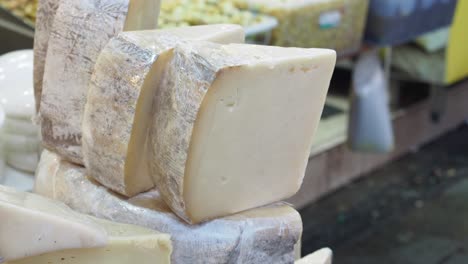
x=264 y=235
x=120 y=97
x=44 y=19
x=323 y=256
x=233 y=125
x=80 y=30
x=33 y=225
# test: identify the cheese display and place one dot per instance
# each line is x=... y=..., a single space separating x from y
x=26 y=162
x=127 y=71
x=60 y=235
x=335 y=24
x=323 y=256
x=233 y=125
x=264 y=235
x=46 y=10
x=55 y=226
x=80 y=31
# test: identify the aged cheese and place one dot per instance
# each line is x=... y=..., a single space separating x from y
x=120 y=97
x=264 y=235
x=323 y=256
x=44 y=19
x=33 y=225
x=233 y=125
x=80 y=31
x=128 y=244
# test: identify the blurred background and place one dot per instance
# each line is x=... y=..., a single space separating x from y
x=387 y=180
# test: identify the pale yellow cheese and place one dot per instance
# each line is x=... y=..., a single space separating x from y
x=233 y=125
x=264 y=235
x=80 y=30
x=36 y=230
x=33 y=225
x=118 y=109
x=323 y=256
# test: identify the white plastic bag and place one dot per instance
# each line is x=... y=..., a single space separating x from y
x=370 y=125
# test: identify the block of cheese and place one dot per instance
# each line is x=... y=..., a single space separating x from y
x=36 y=230
x=233 y=125
x=127 y=244
x=264 y=235
x=120 y=96
x=33 y=225
x=45 y=15
x=323 y=256
x=26 y=162
x=80 y=30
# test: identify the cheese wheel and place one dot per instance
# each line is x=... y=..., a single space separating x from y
x=120 y=97
x=233 y=125
x=80 y=30
x=44 y=20
x=21 y=127
x=263 y=235
x=21 y=144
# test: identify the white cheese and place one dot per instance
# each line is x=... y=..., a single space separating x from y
x=23 y=127
x=323 y=256
x=33 y=225
x=233 y=125
x=44 y=20
x=42 y=231
x=20 y=143
x=264 y=235
x=80 y=30
x=127 y=245
x=119 y=104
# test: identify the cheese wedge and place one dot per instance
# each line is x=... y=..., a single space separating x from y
x=128 y=244
x=80 y=31
x=45 y=15
x=33 y=225
x=323 y=256
x=264 y=235
x=233 y=125
x=120 y=97
x=36 y=230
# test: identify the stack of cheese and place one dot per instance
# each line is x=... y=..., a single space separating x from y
x=19 y=134
x=184 y=131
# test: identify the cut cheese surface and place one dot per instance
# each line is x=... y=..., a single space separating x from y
x=264 y=235
x=44 y=20
x=80 y=31
x=33 y=225
x=323 y=256
x=128 y=244
x=233 y=125
x=119 y=105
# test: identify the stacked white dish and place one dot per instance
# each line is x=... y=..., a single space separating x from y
x=20 y=137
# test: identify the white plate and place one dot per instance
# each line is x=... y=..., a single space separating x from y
x=17 y=179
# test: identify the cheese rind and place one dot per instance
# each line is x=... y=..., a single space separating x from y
x=264 y=235
x=33 y=225
x=80 y=31
x=233 y=125
x=323 y=256
x=120 y=101
x=44 y=20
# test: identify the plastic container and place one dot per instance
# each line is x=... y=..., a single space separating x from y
x=334 y=24
x=392 y=22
